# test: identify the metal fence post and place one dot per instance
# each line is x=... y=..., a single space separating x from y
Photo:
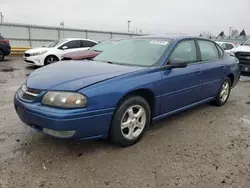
x=58 y=32
x=111 y=34
x=29 y=32
x=86 y=34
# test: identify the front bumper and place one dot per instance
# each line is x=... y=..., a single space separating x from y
x=35 y=60
x=83 y=124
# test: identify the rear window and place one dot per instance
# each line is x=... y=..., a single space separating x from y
x=1 y=37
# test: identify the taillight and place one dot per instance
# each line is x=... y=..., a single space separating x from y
x=5 y=41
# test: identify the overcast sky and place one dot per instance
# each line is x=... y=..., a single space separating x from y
x=151 y=16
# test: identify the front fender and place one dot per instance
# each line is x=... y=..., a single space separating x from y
x=108 y=93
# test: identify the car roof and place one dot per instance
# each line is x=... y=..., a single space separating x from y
x=69 y=39
x=222 y=42
x=171 y=37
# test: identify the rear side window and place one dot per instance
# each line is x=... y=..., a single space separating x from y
x=185 y=51
x=221 y=52
x=87 y=44
x=208 y=50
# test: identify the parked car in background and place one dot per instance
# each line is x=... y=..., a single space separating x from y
x=126 y=87
x=55 y=50
x=227 y=46
x=242 y=52
x=5 y=48
x=89 y=54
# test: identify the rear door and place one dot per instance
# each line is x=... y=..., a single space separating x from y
x=181 y=86
x=213 y=67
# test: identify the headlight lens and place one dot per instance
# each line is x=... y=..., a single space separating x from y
x=38 y=53
x=64 y=99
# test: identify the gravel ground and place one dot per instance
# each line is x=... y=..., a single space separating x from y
x=204 y=147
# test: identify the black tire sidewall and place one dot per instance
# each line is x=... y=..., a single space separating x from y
x=115 y=132
x=218 y=100
x=1 y=52
x=46 y=59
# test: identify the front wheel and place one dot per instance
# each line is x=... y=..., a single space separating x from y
x=130 y=121
x=223 y=93
x=50 y=59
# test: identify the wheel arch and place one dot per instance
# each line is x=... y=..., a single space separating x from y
x=145 y=93
x=231 y=77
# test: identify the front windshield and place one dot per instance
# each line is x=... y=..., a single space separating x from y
x=55 y=43
x=102 y=46
x=138 y=52
x=247 y=42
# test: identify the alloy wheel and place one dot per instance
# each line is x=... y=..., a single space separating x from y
x=133 y=122
x=224 y=91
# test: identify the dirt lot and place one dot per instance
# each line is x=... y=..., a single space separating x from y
x=204 y=147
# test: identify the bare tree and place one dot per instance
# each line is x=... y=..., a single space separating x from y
x=221 y=34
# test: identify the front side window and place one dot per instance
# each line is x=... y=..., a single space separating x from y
x=135 y=52
x=73 y=44
x=208 y=50
x=221 y=53
x=184 y=52
x=229 y=46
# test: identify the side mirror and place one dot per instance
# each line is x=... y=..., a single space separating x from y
x=175 y=63
x=65 y=47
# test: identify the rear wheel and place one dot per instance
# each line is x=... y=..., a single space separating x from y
x=50 y=59
x=130 y=121
x=223 y=93
x=1 y=55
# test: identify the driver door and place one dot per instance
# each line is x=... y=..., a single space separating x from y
x=181 y=87
x=71 y=46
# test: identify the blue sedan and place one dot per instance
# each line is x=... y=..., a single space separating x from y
x=119 y=93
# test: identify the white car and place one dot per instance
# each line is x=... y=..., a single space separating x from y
x=242 y=52
x=55 y=50
x=227 y=46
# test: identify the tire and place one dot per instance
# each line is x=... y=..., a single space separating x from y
x=1 y=55
x=134 y=125
x=221 y=98
x=50 y=59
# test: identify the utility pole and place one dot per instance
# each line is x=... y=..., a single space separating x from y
x=229 y=35
x=1 y=17
x=128 y=25
x=62 y=24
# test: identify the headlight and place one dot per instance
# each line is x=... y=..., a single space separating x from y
x=38 y=53
x=64 y=99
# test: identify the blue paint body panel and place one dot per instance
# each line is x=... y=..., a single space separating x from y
x=105 y=84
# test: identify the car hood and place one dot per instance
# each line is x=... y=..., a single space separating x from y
x=81 y=54
x=34 y=50
x=241 y=49
x=74 y=75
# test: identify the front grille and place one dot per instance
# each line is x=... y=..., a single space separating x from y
x=26 y=55
x=244 y=57
x=29 y=93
